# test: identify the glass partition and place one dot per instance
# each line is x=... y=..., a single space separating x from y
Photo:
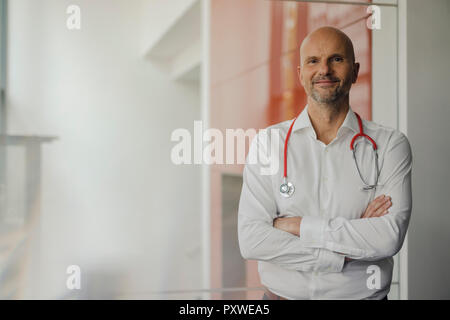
x=104 y=187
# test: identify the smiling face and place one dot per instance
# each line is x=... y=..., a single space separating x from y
x=327 y=68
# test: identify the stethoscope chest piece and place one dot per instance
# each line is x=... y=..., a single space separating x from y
x=287 y=189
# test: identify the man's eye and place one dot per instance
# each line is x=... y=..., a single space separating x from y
x=313 y=61
x=338 y=59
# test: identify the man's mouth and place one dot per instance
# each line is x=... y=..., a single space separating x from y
x=326 y=83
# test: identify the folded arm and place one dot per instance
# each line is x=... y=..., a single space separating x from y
x=376 y=208
x=370 y=238
x=259 y=240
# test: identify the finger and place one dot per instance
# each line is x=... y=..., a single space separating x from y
x=377 y=202
x=278 y=223
x=379 y=207
x=383 y=209
x=374 y=205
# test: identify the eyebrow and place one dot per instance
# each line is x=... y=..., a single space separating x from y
x=330 y=57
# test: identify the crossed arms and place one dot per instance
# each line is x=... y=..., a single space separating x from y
x=312 y=243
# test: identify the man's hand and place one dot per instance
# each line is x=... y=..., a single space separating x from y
x=378 y=207
x=288 y=224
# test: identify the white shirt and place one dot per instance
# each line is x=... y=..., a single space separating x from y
x=329 y=196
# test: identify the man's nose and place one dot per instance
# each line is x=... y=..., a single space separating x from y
x=324 y=68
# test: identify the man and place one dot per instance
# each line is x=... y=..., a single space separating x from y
x=331 y=239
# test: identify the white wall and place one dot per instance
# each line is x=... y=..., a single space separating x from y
x=112 y=202
x=428 y=116
x=161 y=15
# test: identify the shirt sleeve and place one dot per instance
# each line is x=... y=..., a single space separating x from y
x=370 y=238
x=258 y=239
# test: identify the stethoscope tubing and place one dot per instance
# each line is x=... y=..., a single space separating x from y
x=287 y=188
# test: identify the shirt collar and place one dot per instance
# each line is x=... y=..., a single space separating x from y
x=303 y=121
x=350 y=121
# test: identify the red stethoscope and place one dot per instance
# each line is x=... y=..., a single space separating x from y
x=287 y=188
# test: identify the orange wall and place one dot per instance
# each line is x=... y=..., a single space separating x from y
x=254 y=57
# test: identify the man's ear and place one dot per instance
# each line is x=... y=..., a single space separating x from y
x=355 y=72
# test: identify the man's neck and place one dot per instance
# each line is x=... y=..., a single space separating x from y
x=327 y=119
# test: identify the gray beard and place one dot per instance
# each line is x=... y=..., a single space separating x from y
x=329 y=99
x=334 y=98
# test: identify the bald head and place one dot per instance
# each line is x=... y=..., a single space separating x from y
x=327 y=66
x=322 y=39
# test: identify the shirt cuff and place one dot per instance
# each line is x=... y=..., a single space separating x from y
x=329 y=261
x=312 y=231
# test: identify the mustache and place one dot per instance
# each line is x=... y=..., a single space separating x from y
x=326 y=79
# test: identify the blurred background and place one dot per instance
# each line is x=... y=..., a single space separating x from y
x=91 y=92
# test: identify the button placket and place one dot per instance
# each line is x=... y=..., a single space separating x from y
x=325 y=181
x=325 y=176
x=322 y=181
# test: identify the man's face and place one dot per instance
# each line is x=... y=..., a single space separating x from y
x=327 y=68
